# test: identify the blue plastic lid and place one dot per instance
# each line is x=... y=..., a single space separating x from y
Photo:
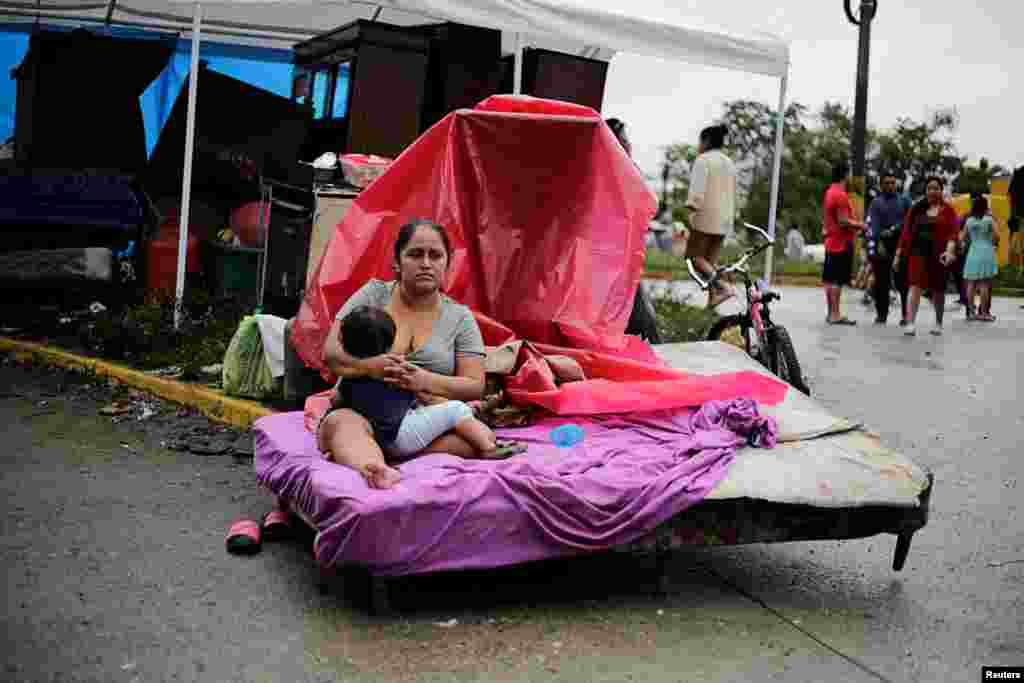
x=566 y=435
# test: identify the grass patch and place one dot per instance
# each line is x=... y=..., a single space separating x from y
x=144 y=335
x=657 y=261
x=674 y=267
x=1009 y=277
x=679 y=322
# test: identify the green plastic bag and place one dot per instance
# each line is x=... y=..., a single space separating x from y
x=246 y=372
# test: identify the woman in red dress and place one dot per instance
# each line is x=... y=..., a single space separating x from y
x=928 y=241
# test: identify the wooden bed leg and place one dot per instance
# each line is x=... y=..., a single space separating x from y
x=325 y=578
x=379 y=596
x=902 y=548
x=661 y=580
x=903 y=537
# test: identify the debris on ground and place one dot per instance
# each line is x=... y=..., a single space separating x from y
x=207 y=439
x=159 y=422
x=1003 y=564
x=116 y=408
x=170 y=372
x=245 y=446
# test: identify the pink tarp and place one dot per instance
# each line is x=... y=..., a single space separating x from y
x=546 y=214
x=628 y=475
x=547 y=217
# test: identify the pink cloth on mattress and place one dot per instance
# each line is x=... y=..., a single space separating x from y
x=630 y=474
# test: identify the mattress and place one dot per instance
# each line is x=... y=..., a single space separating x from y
x=630 y=475
x=822 y=459
x=627 y=476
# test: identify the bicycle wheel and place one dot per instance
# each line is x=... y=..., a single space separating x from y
x=731 y=329
x=782 y=359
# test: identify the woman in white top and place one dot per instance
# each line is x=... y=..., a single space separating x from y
x=712 y=205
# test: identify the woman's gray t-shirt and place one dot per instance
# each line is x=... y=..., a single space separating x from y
x=455 y=332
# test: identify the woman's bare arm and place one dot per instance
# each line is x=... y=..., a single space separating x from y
x=343 y=365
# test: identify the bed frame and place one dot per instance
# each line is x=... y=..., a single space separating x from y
x=710 y=523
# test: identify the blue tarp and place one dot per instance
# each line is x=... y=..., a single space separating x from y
x=13 y=47
x=265 y=68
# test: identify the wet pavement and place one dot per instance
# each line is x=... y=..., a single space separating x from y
x=115 y=568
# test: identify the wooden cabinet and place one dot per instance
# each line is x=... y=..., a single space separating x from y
x=463 y=70
x=365 y=83
x=560 y=76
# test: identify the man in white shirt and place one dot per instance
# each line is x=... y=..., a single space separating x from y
x=712 y=205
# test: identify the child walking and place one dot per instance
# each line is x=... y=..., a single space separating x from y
x=980 y=265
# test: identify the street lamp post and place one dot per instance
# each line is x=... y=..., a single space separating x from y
x=868 y=9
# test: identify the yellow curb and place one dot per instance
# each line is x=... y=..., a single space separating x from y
x=211 y=403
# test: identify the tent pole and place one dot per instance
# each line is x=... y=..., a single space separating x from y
x=517 y=80
x=186 y=180
x=110 y=12
x=266 y=202
x=780 y=124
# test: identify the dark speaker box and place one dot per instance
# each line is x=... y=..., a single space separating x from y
x=560 y=76
x=463 y=68
x=386 y=92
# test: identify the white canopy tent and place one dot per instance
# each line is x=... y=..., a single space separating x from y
x=577 y=26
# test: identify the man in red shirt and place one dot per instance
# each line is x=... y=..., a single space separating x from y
x=839 y=230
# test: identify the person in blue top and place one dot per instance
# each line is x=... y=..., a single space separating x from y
x=980 y=265
x=885 y=219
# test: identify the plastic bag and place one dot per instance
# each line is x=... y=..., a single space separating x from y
x=362 y=169
x=246 y=372
x=315 y=408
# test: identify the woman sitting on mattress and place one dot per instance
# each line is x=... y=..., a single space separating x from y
x=438 y=355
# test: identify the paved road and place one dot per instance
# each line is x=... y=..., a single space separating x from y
x=115 y=568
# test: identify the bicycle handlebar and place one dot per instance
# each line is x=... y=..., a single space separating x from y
x=738 y=265
x=760 y=231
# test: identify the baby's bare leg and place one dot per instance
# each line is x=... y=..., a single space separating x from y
x=477 y=434
x=346 y=438
x=452 y=444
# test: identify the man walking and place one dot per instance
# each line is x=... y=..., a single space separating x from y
x=885 y=221
x=712 y=205
x=839 y=230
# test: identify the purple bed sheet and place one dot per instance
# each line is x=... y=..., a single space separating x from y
x=630 y=474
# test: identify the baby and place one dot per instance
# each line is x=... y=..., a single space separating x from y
x=400 y=426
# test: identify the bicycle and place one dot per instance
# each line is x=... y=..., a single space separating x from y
x=763 y=340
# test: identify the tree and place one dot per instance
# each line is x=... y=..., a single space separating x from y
x=977 y=179
x=675 y=178
x=911 y=149
x=806 y=170
x=751 y=140
x=915 y=150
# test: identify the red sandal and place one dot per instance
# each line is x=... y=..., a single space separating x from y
x=244 y=538
x=276 y=525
